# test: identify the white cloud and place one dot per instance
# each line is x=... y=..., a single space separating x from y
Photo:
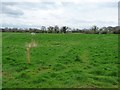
x=73 y=13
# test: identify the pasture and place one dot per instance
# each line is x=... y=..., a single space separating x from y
x=60 y=61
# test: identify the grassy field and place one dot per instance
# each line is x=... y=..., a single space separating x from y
x=0 y=60
x=60 y=61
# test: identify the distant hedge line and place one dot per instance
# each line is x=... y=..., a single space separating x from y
x=65 y=29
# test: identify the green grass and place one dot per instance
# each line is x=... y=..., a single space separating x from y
x=60 y=61
x=0 y=60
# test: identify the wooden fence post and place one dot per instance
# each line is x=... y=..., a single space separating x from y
x=28 y=55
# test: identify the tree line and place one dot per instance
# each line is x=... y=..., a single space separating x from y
x=65 y=29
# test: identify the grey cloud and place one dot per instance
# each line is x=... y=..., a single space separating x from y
x=119 y=4
x=16 y=25
x=10 y=10
x=97 y=22
x=88 y=24
x=108 y=5
x=9 y=3
x=84 y=9
x=88 y=6
x=73 y=10
x=67 y=3
x=46 y=5
x=32 y=5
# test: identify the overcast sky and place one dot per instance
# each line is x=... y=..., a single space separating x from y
x=72 y=13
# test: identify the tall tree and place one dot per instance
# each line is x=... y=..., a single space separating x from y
x=94 y=29
x=43 y=28
x=56 y=29
x=50 y=29
x=64 y=29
